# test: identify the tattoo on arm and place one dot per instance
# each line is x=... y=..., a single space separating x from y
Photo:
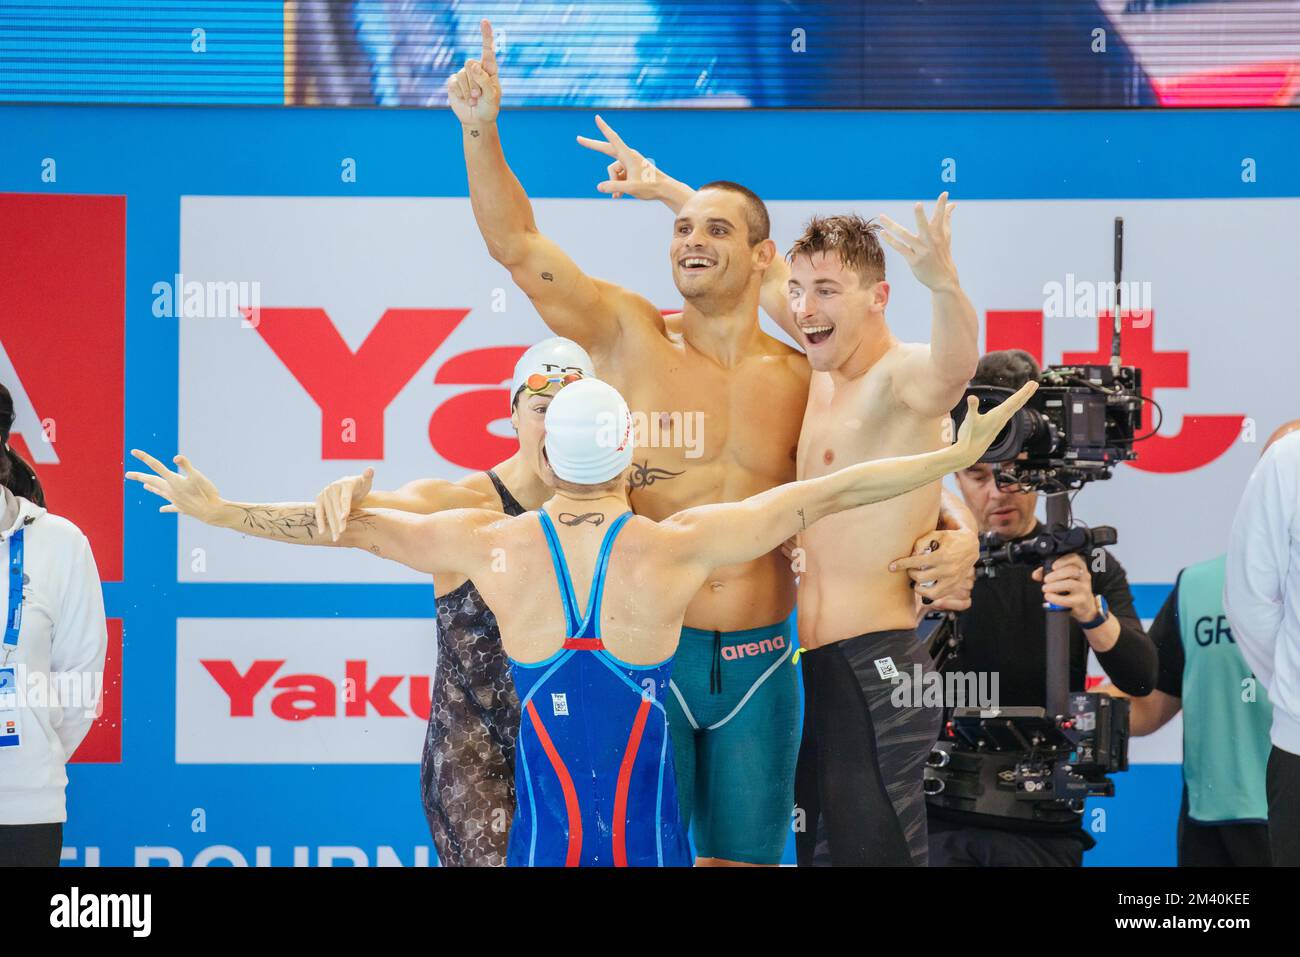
x=292 y=524
x=803 y=522
x=548 y=277
x=295 y=523
x=473 y=133
x=569 y=518
x=642 y=475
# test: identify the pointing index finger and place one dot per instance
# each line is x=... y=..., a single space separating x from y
x=489 y=54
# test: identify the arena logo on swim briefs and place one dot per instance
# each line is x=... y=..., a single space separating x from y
x=753 y=649
x=299 y=691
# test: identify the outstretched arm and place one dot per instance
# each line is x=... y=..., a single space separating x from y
x=632 y=174
x=443 y=542
x=570 y=302
x=727 y=534
x=335 y=502
x=931 y=379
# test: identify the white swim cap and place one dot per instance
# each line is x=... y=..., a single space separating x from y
x=553 y=358
x=588 y=433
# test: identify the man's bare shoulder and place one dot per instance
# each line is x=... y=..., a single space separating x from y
x=881 y=380
x=906 y=352
x=899 y=359
x=634 y=310
x=789 y=357
x=774 y=346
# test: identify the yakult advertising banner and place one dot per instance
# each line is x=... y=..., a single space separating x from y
x=386 y=337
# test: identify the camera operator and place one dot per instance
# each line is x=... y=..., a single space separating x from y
x=1004 y=632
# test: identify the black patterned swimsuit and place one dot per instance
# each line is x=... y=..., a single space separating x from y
x=467 y=772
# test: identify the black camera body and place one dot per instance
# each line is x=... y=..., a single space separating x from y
x=1022 y=764
x=1080 y=423
x=1034 y=550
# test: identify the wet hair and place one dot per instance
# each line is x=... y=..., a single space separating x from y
x=851 y=237
x=1008 y=368
x=15 y=474
x=757 y=222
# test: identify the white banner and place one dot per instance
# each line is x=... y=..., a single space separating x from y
x=1218 y=275
x=302 y=690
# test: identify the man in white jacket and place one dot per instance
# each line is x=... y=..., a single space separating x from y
x=51 y=666
x=1261 y=595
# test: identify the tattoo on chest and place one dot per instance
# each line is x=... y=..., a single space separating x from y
x=642 y=475
x=569 y=518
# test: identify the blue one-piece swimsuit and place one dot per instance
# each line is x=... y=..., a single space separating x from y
x=593 y=761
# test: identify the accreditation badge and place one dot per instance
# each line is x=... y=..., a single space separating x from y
x=9 y=726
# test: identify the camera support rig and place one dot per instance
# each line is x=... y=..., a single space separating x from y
x=1040 y=763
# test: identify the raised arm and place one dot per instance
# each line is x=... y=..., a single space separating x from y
x=632 y=174
x=727 y=534
x=571 y=303
x=931 y=379
x=442 y=542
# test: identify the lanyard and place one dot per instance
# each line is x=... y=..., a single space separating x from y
x=14 y=620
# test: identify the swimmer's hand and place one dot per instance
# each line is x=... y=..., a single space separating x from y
x=475 y=90
x=978 y=431
x=793 y=553
x=942 y=568
x=929 y=250
x=334 y=503
x=190 y=494
x=631 y=174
